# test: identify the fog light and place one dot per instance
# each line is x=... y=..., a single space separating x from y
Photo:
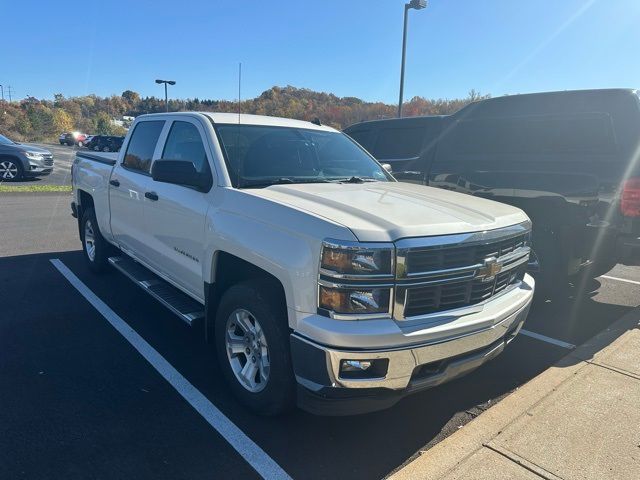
x=364 y=369
x=355 y=365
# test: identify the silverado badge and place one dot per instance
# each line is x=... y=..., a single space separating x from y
x=490 y=268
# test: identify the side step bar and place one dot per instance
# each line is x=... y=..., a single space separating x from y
x=178 y=302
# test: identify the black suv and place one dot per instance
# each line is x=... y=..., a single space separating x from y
x=105 y=143
x=568 y=159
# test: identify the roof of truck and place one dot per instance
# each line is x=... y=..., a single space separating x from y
x=551 y=98
x=247 y=119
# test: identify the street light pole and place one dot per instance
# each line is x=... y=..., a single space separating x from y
x=166 y=98
x=417 y=5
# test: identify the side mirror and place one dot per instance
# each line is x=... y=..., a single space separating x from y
x=180 y=172
x=387 y=167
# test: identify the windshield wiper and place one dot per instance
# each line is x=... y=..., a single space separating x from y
x=354 y=179
x=281 y=181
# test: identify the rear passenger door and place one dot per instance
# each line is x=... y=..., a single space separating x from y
x=128 y=184
x=175 y=215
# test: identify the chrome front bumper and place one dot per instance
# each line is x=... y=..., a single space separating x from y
x=450 y=349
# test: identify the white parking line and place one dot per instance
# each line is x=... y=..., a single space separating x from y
x=252 y=453
x=544 y=338
x=620 y=279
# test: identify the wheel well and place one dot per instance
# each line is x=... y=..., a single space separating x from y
x=230 y=270
x=15 y=158
x=85 y=201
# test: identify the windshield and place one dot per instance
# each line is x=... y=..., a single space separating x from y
x=5 y=141
x=263 y=155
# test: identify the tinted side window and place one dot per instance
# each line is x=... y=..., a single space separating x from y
x=142 y=144
x=397 y=143
x=537 y=134
x=184 y=143
x=362 y=137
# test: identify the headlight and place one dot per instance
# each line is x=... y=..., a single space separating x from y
x=355 y=300
x=355 y=278
x=34 y=155
x=356 y=260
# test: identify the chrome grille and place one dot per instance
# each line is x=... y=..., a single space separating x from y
x=428 y=259
x=436 y=274
x=436 y=298
x=48 y=160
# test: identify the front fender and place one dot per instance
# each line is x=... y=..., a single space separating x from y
x=279 y=239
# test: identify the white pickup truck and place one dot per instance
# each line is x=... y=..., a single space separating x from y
x=320 y=280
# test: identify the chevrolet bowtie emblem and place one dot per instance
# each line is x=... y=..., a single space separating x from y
x=490 y=268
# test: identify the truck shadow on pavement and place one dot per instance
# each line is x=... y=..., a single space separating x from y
x=45 y=310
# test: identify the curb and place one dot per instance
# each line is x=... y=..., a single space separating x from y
x=447 y=455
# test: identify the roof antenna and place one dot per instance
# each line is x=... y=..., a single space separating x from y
x=237 y=152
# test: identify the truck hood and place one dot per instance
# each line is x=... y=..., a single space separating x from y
x=388 y=211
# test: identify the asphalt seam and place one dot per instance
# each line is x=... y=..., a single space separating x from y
x=614 y=369
x=523 y=462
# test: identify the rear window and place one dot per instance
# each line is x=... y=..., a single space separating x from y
x=142 y=145
x=539 y=134
x=398 y=143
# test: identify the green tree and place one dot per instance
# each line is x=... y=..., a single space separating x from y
x=102 y=124
x=62 y=121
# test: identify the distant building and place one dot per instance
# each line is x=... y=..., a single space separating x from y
x=125 y=121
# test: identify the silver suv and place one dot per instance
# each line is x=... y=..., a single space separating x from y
x=18 y=161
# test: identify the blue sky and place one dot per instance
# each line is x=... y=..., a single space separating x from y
x=347 y=47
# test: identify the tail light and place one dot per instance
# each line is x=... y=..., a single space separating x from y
x=630 y=201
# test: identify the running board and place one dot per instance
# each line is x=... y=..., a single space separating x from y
x=178 y=302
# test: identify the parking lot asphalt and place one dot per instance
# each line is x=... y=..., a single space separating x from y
x=79 y=401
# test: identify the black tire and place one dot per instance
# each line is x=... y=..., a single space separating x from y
x=97 y=261
x=10 y=170
x=106 y=149
x=96 y=148
x=264 y=302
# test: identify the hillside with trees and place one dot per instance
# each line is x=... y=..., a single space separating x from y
x=33 y=119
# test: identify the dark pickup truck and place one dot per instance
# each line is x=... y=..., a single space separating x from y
x=568 y=159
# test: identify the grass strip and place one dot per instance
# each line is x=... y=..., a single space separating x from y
x=34 y=188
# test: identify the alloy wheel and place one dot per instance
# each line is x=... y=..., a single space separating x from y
x=89 y=240
x=247 y=350
x=8 y=170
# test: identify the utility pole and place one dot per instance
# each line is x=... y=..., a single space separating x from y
x=2 y=90
x=9 y=92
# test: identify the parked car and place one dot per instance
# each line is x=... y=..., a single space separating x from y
x=568 y=159
x=105 y=143
x=18 y=160
x=319 y=278
x=72 y=138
